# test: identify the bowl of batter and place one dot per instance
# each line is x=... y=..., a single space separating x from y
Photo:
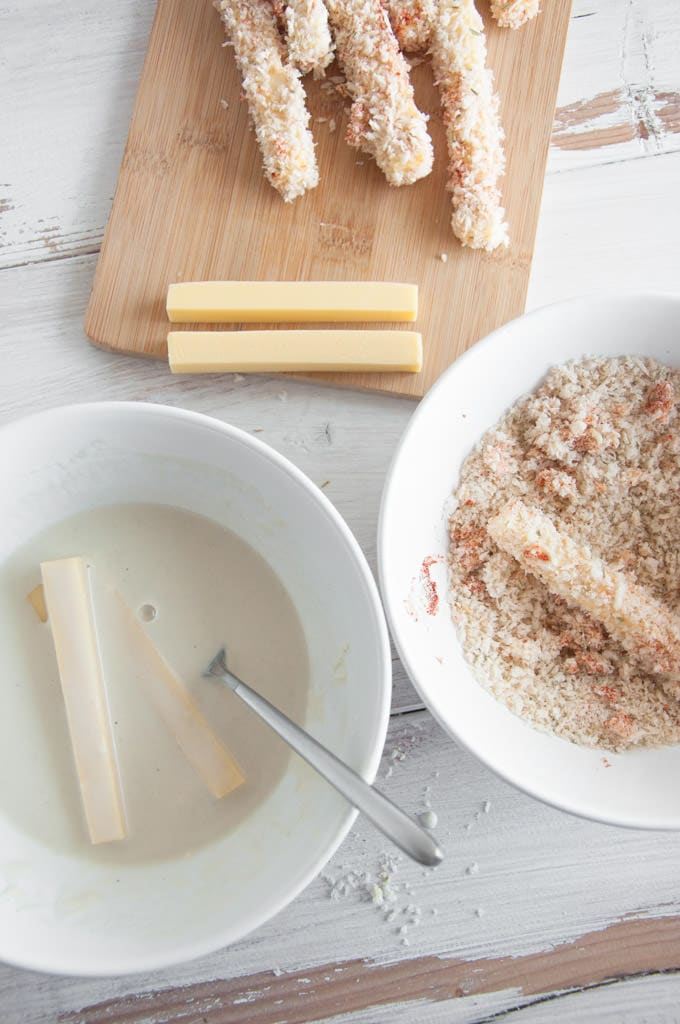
x=204 y=536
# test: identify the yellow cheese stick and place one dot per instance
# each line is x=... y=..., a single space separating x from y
x=213 y=302
x=36 y=599
x=69 y=604
x=201 y=746
x=648 y=630
x=309 y=351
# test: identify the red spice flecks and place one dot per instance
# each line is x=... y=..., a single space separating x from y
x=606 y=763
x=535 y=552
x=430 y=592
x=608 y=693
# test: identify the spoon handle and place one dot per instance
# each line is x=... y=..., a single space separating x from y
x=394 y=823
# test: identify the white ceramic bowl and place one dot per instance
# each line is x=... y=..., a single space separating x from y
x=640 y=789
x=150 y=915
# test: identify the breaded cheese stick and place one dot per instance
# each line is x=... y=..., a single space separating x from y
x=474 y=137
x=308 y=35
x=648 y=630
x=514 y=13
x=384 y=120
x=411 y=22
x=276 y=98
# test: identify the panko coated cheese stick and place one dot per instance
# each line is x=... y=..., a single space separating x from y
x=384 y=120
x=474 y=137
x=310 y=47
x=411 y=22
x=276 y=98
x=514 y=13
x=648 y=630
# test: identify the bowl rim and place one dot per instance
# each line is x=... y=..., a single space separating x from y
x=585 y=302
x=184 y=952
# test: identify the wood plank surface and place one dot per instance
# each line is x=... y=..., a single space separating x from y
x=610 y=52
x=547 y=883
x=192 y=204
x=555 y=904
x=630 y=948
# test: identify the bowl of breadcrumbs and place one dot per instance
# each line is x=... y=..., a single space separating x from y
x=529 y=552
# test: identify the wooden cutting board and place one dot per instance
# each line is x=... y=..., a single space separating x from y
x=192 y=203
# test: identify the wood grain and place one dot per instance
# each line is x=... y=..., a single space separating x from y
x=191 y=201
x=318 y=994
x=588 y=124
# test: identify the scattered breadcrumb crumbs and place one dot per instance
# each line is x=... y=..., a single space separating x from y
x=595 y=450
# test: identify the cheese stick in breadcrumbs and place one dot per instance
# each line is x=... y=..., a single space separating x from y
x=474 y=137
x=411 y=22
x=384 y=120
x=310 y=47
x=514 y=13
x=276 y=98
x=648 y=630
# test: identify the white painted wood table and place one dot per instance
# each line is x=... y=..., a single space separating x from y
x=563 y=919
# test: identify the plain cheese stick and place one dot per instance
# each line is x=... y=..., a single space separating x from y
x=294 y=351
x=199 y=743
x=208 y=302
x=648 y=630
x=69 y=604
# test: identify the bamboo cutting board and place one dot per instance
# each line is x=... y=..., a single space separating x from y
x=192 y=203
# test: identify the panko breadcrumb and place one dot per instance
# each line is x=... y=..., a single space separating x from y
x=276 y=98
x=648 y=630
x=596 y=450
x=384 y=120
x=411 y=22
x=514 y=13
x=308 y=35
x=474 y=137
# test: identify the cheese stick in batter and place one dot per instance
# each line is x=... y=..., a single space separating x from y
x=384 y=120
x=648 y=630
x=276 y=98
x=411 y=22
x=66 y=587
x=474 y=137
x=514 y=13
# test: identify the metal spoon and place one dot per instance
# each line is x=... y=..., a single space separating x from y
x=394 y=823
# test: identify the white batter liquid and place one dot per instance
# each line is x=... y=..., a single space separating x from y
x=196 y=587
